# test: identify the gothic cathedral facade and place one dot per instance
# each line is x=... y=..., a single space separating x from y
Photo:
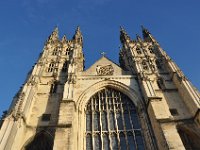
x=145 y=103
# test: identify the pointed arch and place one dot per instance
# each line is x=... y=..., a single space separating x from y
x=85 y=96
x=112 y=112
x=43 y=140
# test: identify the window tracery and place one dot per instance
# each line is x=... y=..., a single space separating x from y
x=112 y=122
x=138 y=50
x=67 y=51
x=150 y=48
x=55 y=51
x=65 y=66
x=144 y=65
x=51 y=67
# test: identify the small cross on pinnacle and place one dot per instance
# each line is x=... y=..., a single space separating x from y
x=103 y=54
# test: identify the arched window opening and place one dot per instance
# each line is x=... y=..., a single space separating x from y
x=65 y=66
x=190 y=140
x=67 y=51
x=138 y=50
x=144 y=65
x=112 y=122
x=51 y=67
x=54 y=87
x=55 y=51
x=42 y=141
x=159 y=64
x=150 y=48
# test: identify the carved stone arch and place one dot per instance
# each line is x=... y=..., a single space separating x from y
x=131 y=93
x=80 y=121
x=43 y=140
x=190 y=135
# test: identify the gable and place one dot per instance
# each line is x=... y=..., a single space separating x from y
x=103 y=67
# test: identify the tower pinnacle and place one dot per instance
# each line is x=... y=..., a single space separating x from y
x=78 y=36
x=147 y=35
x=124 y=37
x=54 y=35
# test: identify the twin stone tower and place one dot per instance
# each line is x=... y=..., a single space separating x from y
x=146 y=102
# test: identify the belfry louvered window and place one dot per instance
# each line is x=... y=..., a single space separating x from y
x=112 y=122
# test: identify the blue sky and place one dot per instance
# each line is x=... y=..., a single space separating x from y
x=26 y=24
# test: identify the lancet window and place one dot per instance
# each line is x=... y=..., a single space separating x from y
x=150 y=49
x=144 y=65
x=67 y=51
x=65 y=66
x=55 y=51
x=112 y=122
x=51 y=67
x=138 y=50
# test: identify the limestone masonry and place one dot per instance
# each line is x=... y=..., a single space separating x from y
x=145 y=103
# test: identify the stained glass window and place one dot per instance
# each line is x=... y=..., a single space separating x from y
x=112 y=122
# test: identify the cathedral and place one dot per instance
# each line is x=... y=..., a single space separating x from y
x=144 y=103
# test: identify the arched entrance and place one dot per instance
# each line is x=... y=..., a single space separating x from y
x=41 y=141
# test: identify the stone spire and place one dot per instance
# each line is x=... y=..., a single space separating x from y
x=64 y=39
x=124 y=37
x=139 y=39
x=78 y=38
x=147 y=35
x=54 y=35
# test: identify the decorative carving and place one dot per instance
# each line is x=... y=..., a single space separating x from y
x=17 y=110
x=105 y=70
x=32 y=80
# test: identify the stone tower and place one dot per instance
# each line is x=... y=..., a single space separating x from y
x=145 y=103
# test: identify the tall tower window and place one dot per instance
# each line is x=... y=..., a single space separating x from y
x=150 y=49
x=144 y=65
x=112 y=122
x=51 y=67
x=138 y=50
x=55 y=51
x=67 y=51
x=159 y=64
x=65 y=66
x=53 y=88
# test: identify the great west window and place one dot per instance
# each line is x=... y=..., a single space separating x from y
x=112 y=122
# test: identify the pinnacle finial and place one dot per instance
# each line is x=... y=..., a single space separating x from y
x=56 y=29
x=145 y=30
x=142 y=27
x=78 y=30
x=78 y=35
x=55 y=32
x=124 y=37
x=138 y=38
x=121 y=28
x=64 y=39
x=54 y=35
x=147 y=35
